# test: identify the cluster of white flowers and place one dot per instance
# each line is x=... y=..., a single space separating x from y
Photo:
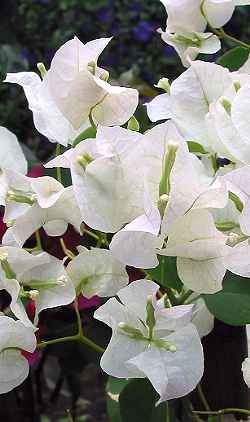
x=151 y=191
x=188 y=19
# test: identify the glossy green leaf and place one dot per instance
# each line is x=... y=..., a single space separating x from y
x=232 y=304
x=234 y=58
x=137 y=403
x=166 y=273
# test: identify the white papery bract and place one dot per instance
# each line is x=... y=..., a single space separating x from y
x=139 y=242
x=187 y=20
x=11 y=154
x=14 y=367
x=72 y=89
x=97 y=272
x=140 y=350
x=194 y=15
x=34 y=203
x=200 y=249
x=246 y=371
x=79 y=88
x=189 y=45
x=238 y=183
x=109 y=173
x=214 y=115
x=11 y=157
x=48 y=119
x=190 y=96
x=41 y=277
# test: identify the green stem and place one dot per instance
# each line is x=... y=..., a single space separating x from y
x=77 y=337
x=223 y=412
x=58 y=169
x=171 y=296
x=182 y=299
x=223 y=35
x=79 y=320
x=92 y=120
x=67 y=251
x=203 y=398
x=189 y=409
x=38 y=241
x=167 y=412
x=100 y=240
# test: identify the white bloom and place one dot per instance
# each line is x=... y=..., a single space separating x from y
x=202 y=318
x=72 y=89
x=76 y=85
x=11 y=157
x=214 y=115
x=194 y=15
x=14 y=367
x=246 y=371
x=190 y=44
x=151 y=342
x=11 y=154
x=109 y=173
x=190 y=96
x=200 y=251
x=139 y=242
x=23 y=274
x=52 y=283
x=32 y=203
x=97 y=272
x=238 y=183
x=48 y=119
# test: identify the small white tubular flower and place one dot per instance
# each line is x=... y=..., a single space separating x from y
x=200 y=249
x=95 y=165
x=189 y=45
x=245 y=367
x=41 y=277
x=97 y=272
x=36 y=203
x=48 y=119
x=14 y=367
x=76 y=84
x=151 y=342
x=51 y=282
x=13 y=263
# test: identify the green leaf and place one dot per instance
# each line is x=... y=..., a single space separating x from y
x=114 y=387
x=196 y=148
x=232 y=304
x=137 y=403
x=166 y=273
x=90 y=132
x=234 y=58
x=66 y=176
